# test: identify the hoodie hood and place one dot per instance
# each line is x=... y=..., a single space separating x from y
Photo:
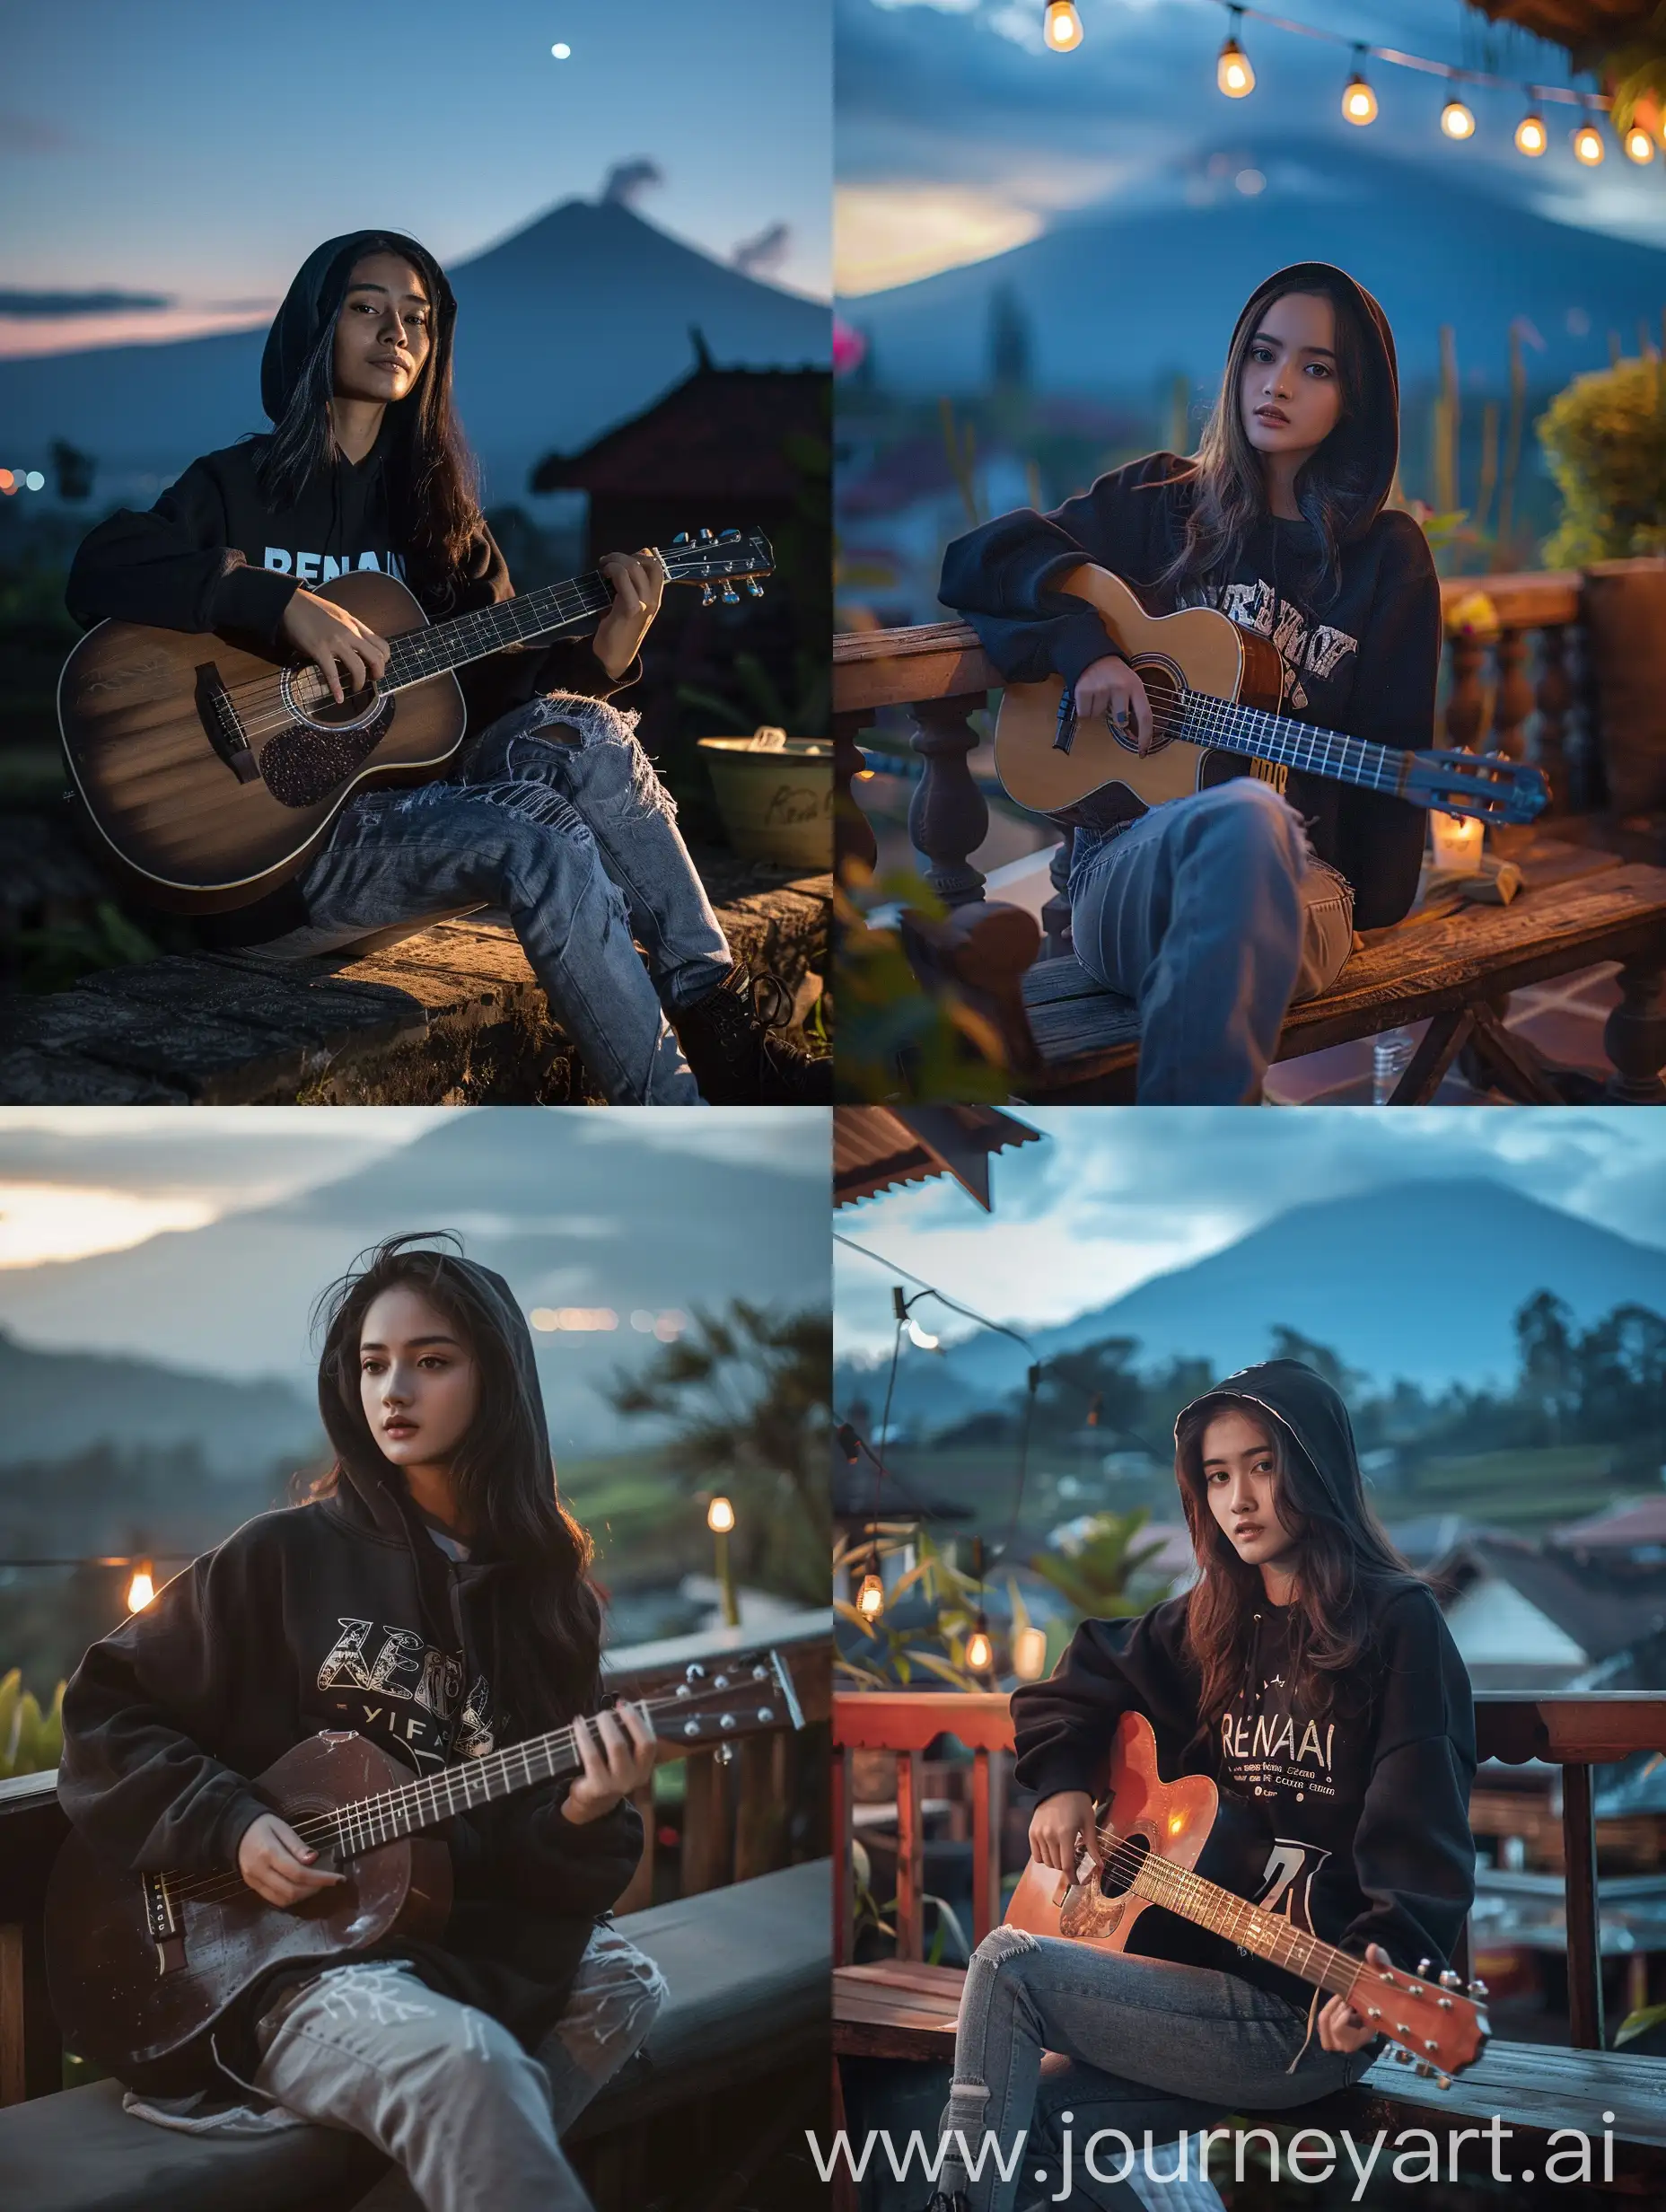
x=1365 y=450
x=314 y=300
x=1315 y=1417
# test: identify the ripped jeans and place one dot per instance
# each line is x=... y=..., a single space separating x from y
x=1136 y=2044
x=1212 y=915
x=469 y=2119
x=555 y=814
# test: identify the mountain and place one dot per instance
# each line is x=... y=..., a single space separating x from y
x=575 y=322
x=1416 y=1279
x=58 y=1403
x=1117 y=296
x=570 y=1215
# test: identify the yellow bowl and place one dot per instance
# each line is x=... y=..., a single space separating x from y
x=777 y=806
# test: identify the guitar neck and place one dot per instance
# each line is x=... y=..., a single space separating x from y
x=1228 y=726
x=421 y=654
x=1268 y=1934
x=434 y=1797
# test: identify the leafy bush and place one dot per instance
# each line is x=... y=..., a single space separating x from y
x=30 y=1741
x=1605 y=441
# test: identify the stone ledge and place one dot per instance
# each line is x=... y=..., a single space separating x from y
x=451 y=1016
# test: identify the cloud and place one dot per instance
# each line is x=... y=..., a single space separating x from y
x=891 y=234
x=627 y=181
x=763 y=255
x=46 y=304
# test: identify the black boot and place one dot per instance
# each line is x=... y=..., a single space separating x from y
x=726 y=1041
x=940 y=2202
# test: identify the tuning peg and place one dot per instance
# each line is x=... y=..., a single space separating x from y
x=1423 y=1966
x=1442 y=2081
x=720 y=1682
x=724 y=1754
x=694 y=1671
x=754 y=587
x=1478 y=1988
x=1448 y=1979
x=766 y=1713
x=725 y=1721
x=728 y=537
x=1429 y=2045
x=707 y=596
x=681 y=538
x=760 y=1675
x=692 y=1727
x=703 y=537
x=731 y=598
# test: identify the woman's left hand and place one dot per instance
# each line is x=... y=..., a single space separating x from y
x=1340 y=2027
x=638 y=580
x=616 y=1754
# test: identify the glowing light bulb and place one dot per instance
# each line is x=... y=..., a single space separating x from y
x=922 y=1337
x=1639 y=148
x=1232 y=72
x=1030 y=1654
x=1588 y=146
x=1061 y=26
x=562 y=50
x=1457 y=120
x=1531 y=137
x=870 y=1597
x=979 y=1652
x=720 y=1516
x=142 y=1589
x=1359 y=102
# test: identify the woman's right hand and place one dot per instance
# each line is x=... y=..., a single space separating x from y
x=1062 y=1827
x=336 y=642
x=1110 y=687
x=278 y=1865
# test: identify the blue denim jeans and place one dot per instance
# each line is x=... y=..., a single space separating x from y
x=1138 y=2044
x=555 y=814
x=1214 y=916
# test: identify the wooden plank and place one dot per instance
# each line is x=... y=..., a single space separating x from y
x=896 y=1720
x=910 y=1852
x=986 y=1849
x=1597 y=1728
x=706 y=1845
x=1584 y=1949
x=843 y=1876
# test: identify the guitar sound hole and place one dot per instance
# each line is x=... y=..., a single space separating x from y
x=1161 y=684
x=1122 y=1864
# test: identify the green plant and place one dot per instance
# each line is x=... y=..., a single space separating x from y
x=55 y=954
x=1094 y=1575
x=31 y=1741
x=895 y=1039
x=892 y=1656
x=1604 y=438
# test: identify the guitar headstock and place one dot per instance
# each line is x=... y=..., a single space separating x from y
x=1487 y=785
x=749 y=1694
x=1431 y=2022
x=731 y=557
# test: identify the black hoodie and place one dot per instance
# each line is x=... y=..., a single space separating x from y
x=1365 y=1811
x=342 y=1613
x=1365 y=663
x=214 y=554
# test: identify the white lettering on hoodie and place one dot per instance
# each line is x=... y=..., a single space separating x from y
x=323 y=567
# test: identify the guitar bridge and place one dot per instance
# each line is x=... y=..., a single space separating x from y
x=225 y=732
x=163 y=1921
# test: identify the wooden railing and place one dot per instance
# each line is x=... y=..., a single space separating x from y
x=1495 y=683
x=737 y=1821
x=1575 y=1733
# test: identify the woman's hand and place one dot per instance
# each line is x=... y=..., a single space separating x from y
x=1110 y=687
x=1062 y=1829
x=334 y=640
x=1340 y=2027
x=278 y=1865
x=616 y=1754
x=638 y=580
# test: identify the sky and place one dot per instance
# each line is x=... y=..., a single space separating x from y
x=1111 y=1197
x=959 y=135
x=196 y=153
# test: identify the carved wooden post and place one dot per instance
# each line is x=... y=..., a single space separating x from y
x=853 y=833
x=1554 y=696
x=1466 y=706
x=948 y=815
x=1514 y=699
x=1056 y=913
x=1634 y=1035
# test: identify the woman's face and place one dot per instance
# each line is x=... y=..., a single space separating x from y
x=384 y=331
x=418 y=1383
x=1240 y=1477
x=1289 y=395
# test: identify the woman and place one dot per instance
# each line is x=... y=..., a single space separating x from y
x=432 y=1594
x=553 y=813
x=1307 y=1672
x=1213 y=912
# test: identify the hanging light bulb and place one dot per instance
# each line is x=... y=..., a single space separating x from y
x=979 y=1651
x=870 y=1597
x=1061 y=27
x=1232 y=72
x=1359 y=102
x=142 y=1589
x=1029 y=1654
x=922 y=1339
x=1531 y=137
x=1457 y=120
x=1588 y=146
x=1639 y=145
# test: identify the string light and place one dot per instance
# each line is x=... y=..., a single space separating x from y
x=922 y=1339
x=979 y=1651
x=870 y=1597
x=1359 y=102
x=720 y=1516
x=1061 y=27
x=1639 y=145
x=1457 y=120
x=1588 y=146
x=1531 y=137
x=1232 y=72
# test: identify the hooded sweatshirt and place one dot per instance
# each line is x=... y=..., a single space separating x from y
x=214 y=553
x=1365 y=662
x=1360 y=1814
x=343 y=1614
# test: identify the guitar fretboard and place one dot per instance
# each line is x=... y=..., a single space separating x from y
x=1230 y=727
x=1269 y=1935
x=434 y=1797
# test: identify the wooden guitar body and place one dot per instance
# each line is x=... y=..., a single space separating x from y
x=144 y=2006
x=158 y=783
x=1197 y=649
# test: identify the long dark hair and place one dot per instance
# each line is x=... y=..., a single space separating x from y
x=1345 y=1558
x=548 y=1619
x=432 y=479
x=1229 y=489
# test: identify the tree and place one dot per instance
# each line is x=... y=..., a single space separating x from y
x=1347 y=1383
x=747 y=1394
x=1011 y=351
x=1544 y=1338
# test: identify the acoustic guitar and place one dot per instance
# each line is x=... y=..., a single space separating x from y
x=213 y=774
x=142 y=1967
x=1214 y=689
x=1152 y=1837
